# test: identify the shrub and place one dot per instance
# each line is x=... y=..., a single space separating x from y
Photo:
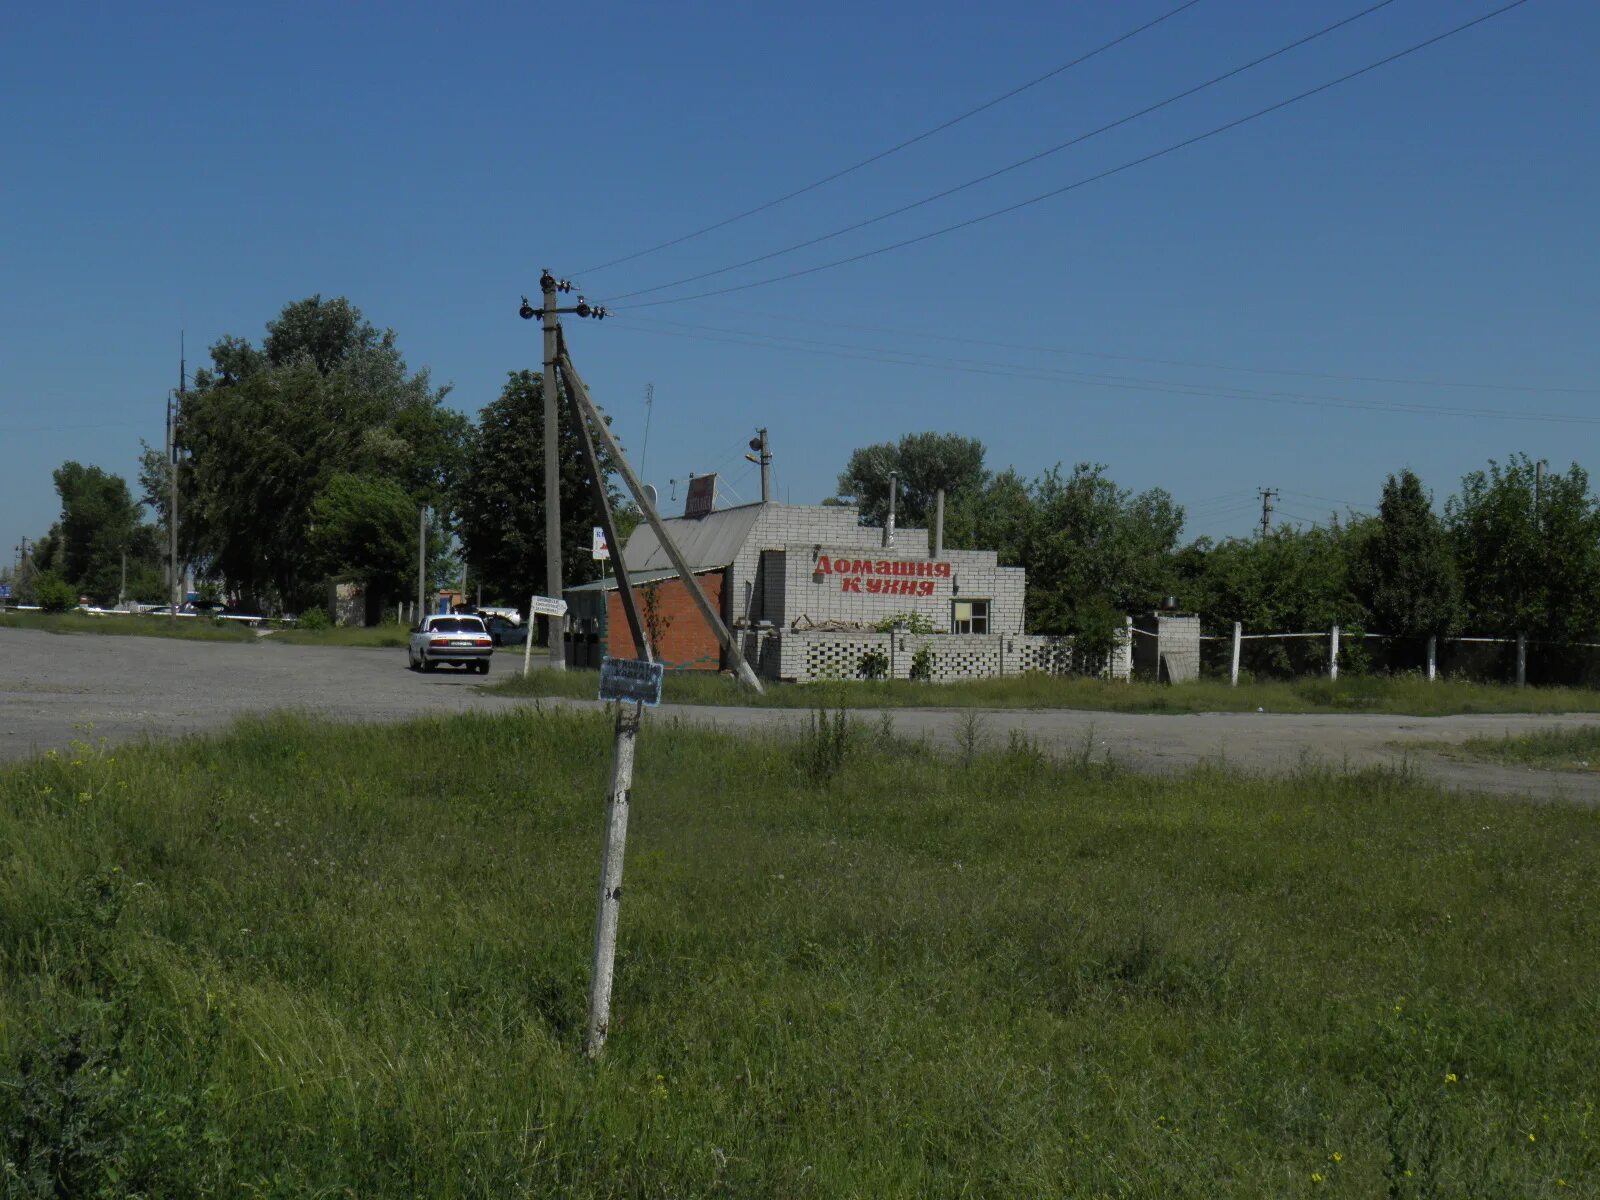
x=914 y=622
x=874 y=665
x=314 y=619
x=922 y=663
x=54 y=594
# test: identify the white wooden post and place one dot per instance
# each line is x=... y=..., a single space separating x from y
x=605 y=930
x=1333 y=655
x=1433 y=657
x=1238 y=635
x=527 y=642
x=1522 y=660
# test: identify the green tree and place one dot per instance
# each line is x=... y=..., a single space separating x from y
x=924 y=462
x=1529 y=567
x=500 y=497
x=1091 y=546
x=99 y=524
x=1408 y=568
x=365 y=528
x=268 y=429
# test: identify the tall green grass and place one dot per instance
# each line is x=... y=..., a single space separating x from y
x=1561 y=749
x=192 y=628
x=312 y=960
x=1405 y=694
x=388 y=635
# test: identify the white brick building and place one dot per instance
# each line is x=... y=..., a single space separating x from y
x=804 y=587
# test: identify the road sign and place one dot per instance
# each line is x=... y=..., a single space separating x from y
x=631 y=679
x=549 y=606
x=599 y=549
x=5 y=591
x=702 y=496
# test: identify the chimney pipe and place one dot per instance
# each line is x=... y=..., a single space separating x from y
x=888 y=529
x=938 y=523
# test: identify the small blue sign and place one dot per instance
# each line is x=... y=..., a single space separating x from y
x=631 y=679
x=5 y=591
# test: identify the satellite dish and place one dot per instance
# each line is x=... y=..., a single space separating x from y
x=650 y=495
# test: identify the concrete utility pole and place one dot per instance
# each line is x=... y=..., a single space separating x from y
x=422 y=563
x=552 y=473
x=888 y=526
x=1538 y=495
x=1268 y=495
x=763 y=459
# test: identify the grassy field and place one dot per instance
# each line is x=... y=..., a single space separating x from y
x=194 y=628
x=1406 y=695
x=305 y=959
x=1551 y=749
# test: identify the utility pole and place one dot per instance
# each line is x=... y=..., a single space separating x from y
x=174 y=417
x=1268 y=495
x=549 y=285
x=888 y=527
x=1538 y=495
x=552 y=474
x=422 y=562
x=649 y=409
x=762 y=458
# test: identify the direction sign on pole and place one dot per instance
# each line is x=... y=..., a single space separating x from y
x=5 y=591
x=631 y=679
x=599 y=549
x=549 y=606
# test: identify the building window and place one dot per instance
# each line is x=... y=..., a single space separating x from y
x=970 y=616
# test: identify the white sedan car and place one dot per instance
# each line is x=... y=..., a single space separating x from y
x=459 y=640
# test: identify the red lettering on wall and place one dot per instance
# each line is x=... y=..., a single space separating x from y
x=942 y=570
x=850 y=585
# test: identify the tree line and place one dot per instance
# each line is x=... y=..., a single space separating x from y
x=1506 y=553
x=309 y=457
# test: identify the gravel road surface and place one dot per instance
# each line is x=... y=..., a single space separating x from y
x=58 y=687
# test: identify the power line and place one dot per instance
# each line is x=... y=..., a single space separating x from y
x=1020 y=163
x=1328 y=500
x=1148 y=360
x=882 y=154
x=898 y=357
x=1106 y=174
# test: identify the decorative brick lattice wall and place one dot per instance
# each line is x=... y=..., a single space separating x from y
x=803 y=656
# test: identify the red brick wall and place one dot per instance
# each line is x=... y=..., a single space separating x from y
x=688 y=642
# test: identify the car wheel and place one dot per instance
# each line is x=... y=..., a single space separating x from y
x=428 y=664
x=483 y=668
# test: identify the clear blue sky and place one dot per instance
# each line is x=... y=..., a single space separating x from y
x=194 y=168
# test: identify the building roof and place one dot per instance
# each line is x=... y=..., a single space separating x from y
x=608 y=583
x=707 y=542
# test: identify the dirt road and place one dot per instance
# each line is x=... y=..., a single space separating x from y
x=55 y=688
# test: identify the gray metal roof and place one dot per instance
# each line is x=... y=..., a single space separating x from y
x=609 y=582
x=707 y=542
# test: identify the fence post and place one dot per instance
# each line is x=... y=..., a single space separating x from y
x=1522 y=660
x=1333 y=655
x=1238 y=633
x=1433 y=656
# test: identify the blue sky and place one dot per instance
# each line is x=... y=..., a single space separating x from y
x=195 y=168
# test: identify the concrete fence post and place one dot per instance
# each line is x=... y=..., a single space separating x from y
x=1333 y=655
x=1433 y=657
x=1238 y=636
x=1522 y=660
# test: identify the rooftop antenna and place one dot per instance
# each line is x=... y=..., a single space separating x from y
x=649 y=406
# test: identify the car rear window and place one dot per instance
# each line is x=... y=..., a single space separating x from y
x=457 y=625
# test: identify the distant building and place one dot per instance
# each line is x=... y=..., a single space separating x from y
x=804 y=587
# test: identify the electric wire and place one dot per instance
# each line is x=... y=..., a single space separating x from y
x=1085 y=181
x=1147 y=360
x=909 y=142
x=1019 y=164
x=898 y=357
